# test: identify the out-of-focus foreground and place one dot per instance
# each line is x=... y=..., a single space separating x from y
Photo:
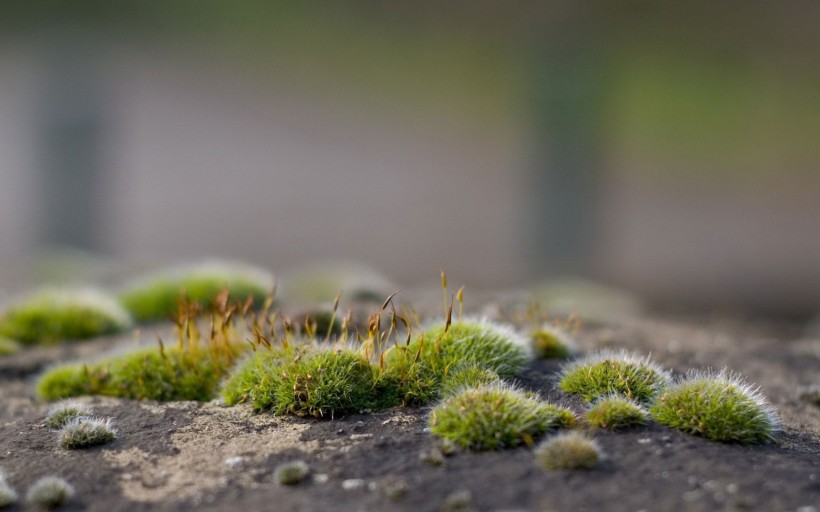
x=671 y=150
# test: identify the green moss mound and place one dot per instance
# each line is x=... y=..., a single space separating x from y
x=571 y=450
x=551 y=343
x=430 y=361
x=719 y=407
x=52 y=315
x=8 y=347
x=323 y=382
x=616 y=413
x=620 y=373
x=156 y=297
x=495 y=416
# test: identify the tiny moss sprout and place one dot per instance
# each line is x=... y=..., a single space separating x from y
x=609 y=372
x=291 y=473
x=616 y=412
x=55 y=314
x=154 y=297
x=50 y=492
x=552 y=343
x=189 y=370
x=495 y=416
x=719 y=406
x=86 y=432
x=570 y=450
x=62 y=412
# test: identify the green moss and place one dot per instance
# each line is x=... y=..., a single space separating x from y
x=156 y=297
x=571 y=450
x=61 y=413
x=86 y=433
x=8 y=496
x=190 y=370
x=459 y=378
x=551 y=343
x=718 y=406
x=607 y=372
x=291 y=473
x=495 y=416
x=255 y=379
x=53 y=315
x=8 y=347
x=50 y=492
x=422 y=367
x=616 y=412
x=313 y=381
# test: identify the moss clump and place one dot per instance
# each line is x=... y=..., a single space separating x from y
x=8 y=347
x=495 y=416
x=50 y=492
x=571 y=450
x=155 y=297
x=422 y=366
x=615 y=413
x=312 y=381
x=460 y=378
x=254 y=380
x=190 y=370
x=291 y=473
x=607 y=372
x=53 y=315
x=552 y=343
x=61 y=413
x=86 y=432
x=718 y=406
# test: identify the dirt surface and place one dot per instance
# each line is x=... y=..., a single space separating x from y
x=193 y=456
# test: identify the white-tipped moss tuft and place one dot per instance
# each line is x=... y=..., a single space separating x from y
x=291 y=473
x=62 y=412
x=614 y=372
x=8 y=496
x=720 y=406
x=550 y=342
x=616 y=412
x=86 y=432
x=571 y=450
x=50 y=492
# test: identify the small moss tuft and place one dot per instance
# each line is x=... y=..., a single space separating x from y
x=50 y=492
x=615 y=412
x=61 y=413
x=155 y=297
x=291 y=473
x=718 y=406
x=52 y=315
x=86 y=432
x=473 y=348
x=495 y=416
x=571 y=450
x=552 y=343
x=190 y=370
x=462 y=377
x=607 y=372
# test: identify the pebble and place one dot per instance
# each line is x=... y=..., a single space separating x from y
x=351 y=484
x=234 y=461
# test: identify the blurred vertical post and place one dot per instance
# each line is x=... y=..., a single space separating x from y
x=69 y=127
x=567 y=74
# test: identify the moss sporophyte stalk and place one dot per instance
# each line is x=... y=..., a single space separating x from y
x=191 y=369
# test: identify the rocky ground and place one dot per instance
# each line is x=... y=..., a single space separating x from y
x=194 y=456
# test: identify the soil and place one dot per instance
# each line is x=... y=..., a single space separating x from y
x=203 y=456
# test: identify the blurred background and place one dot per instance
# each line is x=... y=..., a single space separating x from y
x=671 y=149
